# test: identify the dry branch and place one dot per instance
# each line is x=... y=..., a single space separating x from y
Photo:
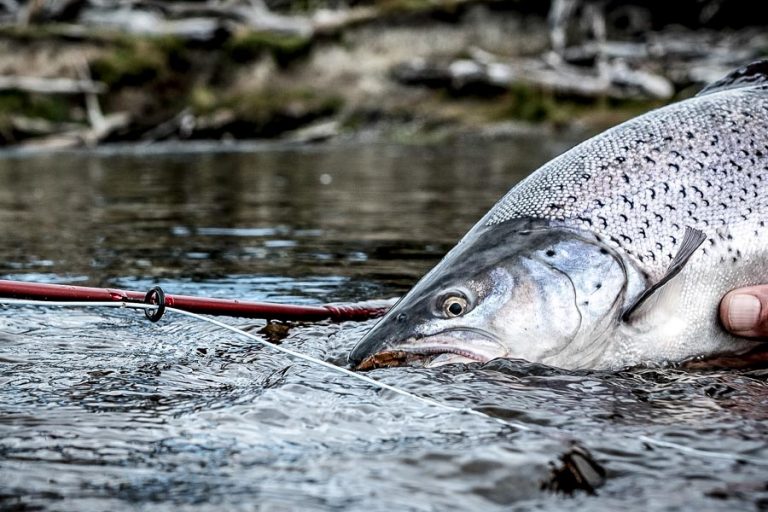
x=35 y=84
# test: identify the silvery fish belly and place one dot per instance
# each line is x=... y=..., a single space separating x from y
x=616 y=253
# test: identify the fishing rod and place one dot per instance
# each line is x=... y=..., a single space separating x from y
x=201 y=305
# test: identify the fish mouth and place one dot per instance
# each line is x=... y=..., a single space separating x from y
x=446 y=347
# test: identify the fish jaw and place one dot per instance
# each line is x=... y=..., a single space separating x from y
x=459 y=345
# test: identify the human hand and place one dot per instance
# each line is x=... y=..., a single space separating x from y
x=744 y=311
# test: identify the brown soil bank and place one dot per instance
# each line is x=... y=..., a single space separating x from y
x=84 y=74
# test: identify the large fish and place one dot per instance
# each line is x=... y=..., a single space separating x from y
x=614 y=254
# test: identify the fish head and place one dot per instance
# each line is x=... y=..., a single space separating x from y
x=519 y=290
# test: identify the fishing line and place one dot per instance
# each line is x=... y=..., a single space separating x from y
x=279 y=348
x=361 y=377
x=702 y=453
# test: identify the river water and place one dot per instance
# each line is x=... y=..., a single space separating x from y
x=102 y=410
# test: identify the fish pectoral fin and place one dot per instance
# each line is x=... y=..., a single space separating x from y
x=662 y=291
x=755 y=73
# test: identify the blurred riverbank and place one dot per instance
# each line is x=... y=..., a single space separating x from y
x=85 y=72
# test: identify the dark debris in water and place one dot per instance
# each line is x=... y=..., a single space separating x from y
x=276 y=332
x=755 y=359
x=389 y=359
x=577 y=471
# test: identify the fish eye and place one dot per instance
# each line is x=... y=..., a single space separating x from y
x=454 y=305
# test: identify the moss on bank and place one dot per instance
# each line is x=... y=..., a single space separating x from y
x=244 y=47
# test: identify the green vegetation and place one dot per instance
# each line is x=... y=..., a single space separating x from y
x=261 y=107
x=527 y=103
x=285 y=49
x=138 y=61
x=50 y=107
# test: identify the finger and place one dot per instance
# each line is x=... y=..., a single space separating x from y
x=744 y=311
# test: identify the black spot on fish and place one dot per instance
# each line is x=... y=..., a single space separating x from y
x=620 y=159
x=626 y=238
x=689 y=134
x=627 y=201
x=599 y=285
x=649 y=160
x=671 y=208
x=659 y=217
x=603 y=250
x=623 y=217
x=550 y=253
x=641 y=231
x=625 y=176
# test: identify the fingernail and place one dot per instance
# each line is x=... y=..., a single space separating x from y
x=743 y=312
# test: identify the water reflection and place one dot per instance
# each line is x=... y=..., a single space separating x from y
x=309 y=210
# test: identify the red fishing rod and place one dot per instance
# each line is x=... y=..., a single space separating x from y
x=202 y=305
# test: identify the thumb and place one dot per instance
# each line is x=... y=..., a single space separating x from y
x=744 y=311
